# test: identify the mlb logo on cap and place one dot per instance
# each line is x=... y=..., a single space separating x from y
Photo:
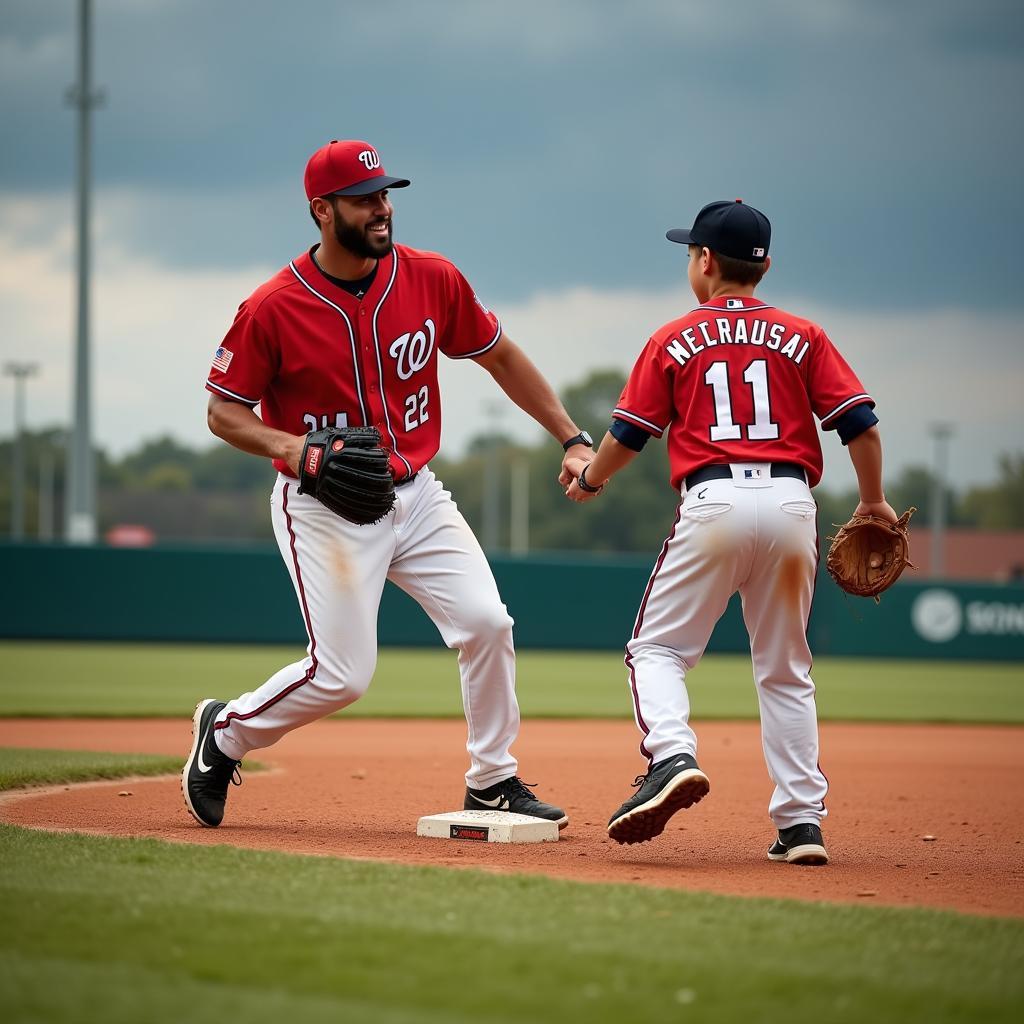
x=349 y=167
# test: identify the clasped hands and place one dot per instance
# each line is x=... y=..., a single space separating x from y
x=575 y=461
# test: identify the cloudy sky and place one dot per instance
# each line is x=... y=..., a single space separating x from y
x=550 y=145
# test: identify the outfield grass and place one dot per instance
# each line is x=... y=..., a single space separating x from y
x=88 y=679
x=140 y=930
x=23 y=767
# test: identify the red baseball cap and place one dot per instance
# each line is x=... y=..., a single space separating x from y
x=348 y=167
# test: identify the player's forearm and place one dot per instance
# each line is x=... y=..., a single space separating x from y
x=516 y=375
x=610 y=458
x=866 y=455
x=243 y=429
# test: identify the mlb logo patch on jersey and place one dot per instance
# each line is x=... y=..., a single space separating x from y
x=733 y=303
x=222 y=359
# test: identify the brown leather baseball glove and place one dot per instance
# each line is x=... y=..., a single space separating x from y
x=868 y=554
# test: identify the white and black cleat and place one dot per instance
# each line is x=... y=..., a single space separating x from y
x=669 y=786
x=799 y=844
x=207 y=772
x=512 y=795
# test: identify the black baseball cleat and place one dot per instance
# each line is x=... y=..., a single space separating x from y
x=513 y=796
x=668 y=786
x=800 y=844
x=207 y=772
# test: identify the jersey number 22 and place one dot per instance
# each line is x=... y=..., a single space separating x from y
x=416 y=408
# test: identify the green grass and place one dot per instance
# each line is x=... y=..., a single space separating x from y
x=24 y=767
x=87 y=679
x=141 y=930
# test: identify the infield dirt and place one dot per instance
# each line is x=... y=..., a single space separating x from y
x=918 y=815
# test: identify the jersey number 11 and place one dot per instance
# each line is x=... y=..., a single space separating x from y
x=724 y=429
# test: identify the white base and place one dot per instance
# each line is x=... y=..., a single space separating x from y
x=488 y=827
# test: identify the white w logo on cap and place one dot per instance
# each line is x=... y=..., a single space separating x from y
x=369 y=159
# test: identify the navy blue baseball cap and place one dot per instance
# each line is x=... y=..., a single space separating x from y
x=733 y=229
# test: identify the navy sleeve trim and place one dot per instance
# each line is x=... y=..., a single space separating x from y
x=651 y=428
x=233 y=395
x=854 y=422
x=629 y=435
x=842 y=406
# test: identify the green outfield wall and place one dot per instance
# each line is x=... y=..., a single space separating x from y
x=244 y=595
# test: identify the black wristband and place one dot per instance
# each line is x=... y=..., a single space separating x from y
x=584 y=486
x=581 y=438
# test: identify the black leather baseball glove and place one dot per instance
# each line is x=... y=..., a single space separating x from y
x=347 y=470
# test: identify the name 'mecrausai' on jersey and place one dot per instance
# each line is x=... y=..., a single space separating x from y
x=723 y=331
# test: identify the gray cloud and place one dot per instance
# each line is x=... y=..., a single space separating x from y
x=552 y=143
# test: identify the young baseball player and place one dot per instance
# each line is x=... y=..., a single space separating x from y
x=348 y=334
x=737 y=384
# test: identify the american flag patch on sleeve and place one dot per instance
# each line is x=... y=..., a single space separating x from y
x=222 y=359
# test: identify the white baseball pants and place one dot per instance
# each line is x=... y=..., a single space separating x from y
x=756 y=534
x=338 y=570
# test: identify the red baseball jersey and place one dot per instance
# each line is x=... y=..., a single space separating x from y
x=312 y=355
x=736 y=380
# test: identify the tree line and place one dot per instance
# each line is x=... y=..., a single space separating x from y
x=220 y=494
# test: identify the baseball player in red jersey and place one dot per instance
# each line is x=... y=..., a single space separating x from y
x=736 y=383
x=348 y=334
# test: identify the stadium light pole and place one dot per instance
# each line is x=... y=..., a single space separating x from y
x=21 y=373
x=81 y=483
x=519 y=506
x=494 y=411
x=47 y=485
x=941 y=433
x=46 y=473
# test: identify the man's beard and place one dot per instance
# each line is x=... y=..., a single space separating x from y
x=360 y=243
